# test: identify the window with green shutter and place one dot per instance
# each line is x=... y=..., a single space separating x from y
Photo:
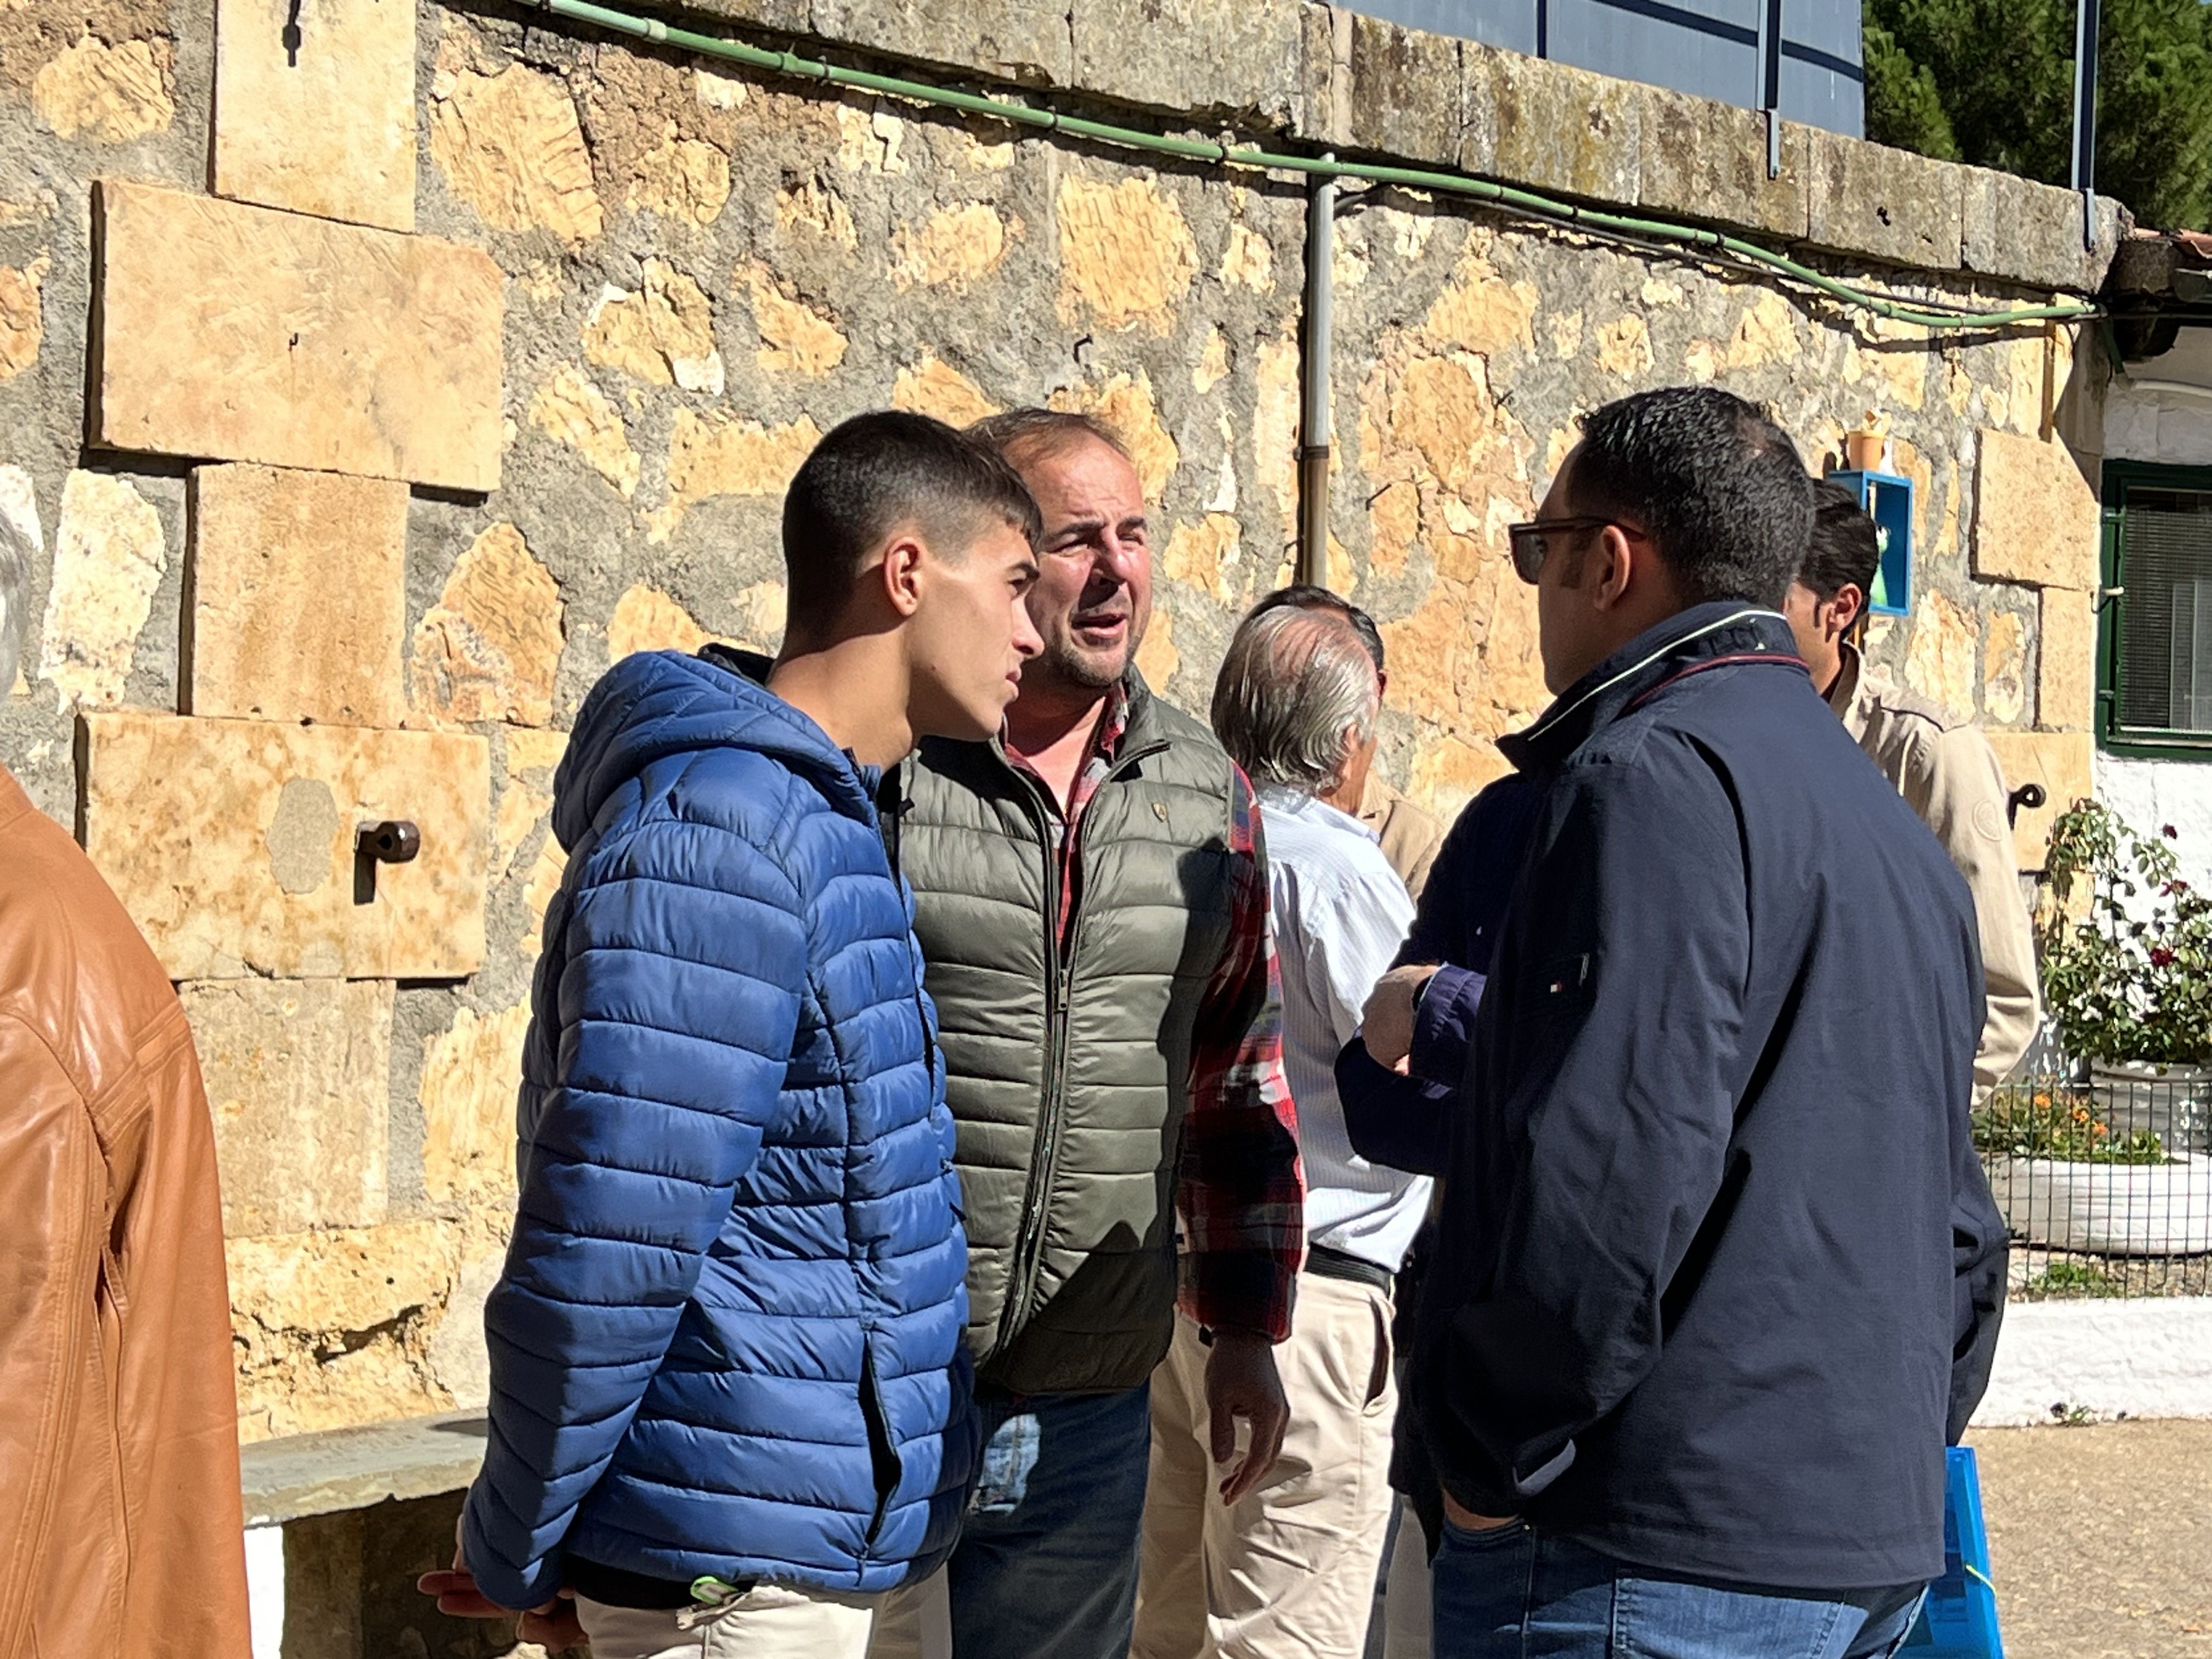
x=2154 y=637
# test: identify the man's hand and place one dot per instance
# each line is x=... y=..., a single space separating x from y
x=1388 y=1023
x=553 y=1626
x=1241 y=1383
x=1468 y=1520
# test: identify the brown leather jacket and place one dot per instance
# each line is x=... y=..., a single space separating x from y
x=120 y=1519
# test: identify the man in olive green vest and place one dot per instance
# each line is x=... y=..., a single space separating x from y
x=1091 y=898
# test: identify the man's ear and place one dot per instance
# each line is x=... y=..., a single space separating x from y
x=900 y=573
x=1616 y=561
x=1847 y=610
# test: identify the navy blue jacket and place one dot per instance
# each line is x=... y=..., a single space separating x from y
x=1399 y=1120
x=1713 y=1172
x=727 y=1340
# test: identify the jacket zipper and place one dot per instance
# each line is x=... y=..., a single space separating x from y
x=1060 y=981
x=891 y=803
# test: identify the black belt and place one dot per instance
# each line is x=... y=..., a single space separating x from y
x=1342 y=1264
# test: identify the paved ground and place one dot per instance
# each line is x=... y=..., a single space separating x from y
x=2100 y=1539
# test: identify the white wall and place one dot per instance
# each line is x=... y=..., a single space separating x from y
x=2150 y=794
x=2146 y=1358
x=2162 y=410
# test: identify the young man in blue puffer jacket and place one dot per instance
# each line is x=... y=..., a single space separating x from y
x=729 y=1398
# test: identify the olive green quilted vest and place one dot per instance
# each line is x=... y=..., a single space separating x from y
x=1068 y=1072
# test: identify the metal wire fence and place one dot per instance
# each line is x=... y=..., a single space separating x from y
x=2105 y=1177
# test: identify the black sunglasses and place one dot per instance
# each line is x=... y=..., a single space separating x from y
x=1528 y=546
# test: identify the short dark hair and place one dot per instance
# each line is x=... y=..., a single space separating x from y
x=1044 y=432
x=1308 y=596
x=873 y=474
x=1843 y=547
x=1718 y=486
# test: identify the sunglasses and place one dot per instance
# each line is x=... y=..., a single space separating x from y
x=1530 y=548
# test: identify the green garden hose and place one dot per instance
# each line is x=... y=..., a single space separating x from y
x=1715 y=244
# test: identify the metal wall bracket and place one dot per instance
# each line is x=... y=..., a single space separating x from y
x=392 y=841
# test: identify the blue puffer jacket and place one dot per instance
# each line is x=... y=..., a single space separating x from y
x=727 y=1340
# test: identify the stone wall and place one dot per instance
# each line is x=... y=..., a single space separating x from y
x=365 y=390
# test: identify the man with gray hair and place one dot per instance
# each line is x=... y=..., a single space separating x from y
x=1289 y=1568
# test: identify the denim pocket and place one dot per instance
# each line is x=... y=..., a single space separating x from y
x=1483 y=1538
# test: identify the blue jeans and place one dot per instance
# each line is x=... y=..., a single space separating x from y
x=1047 y=1563
x=1517 y=1592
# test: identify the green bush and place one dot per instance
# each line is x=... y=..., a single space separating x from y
x=2033 y=1120
x=2127 y=971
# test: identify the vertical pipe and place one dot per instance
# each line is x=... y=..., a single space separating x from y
x=1770 y=81
x=2086 y=19
x=1314 y=414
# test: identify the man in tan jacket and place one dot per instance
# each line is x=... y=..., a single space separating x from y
x=1410 y=837
x=1941 y=764
x=121 y=1527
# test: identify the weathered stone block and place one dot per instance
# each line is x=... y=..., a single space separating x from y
x=1888 y=204
x=1193 y=55
x=1552 y=127
x=470 y=1075
x=1707 y=159
x=332 y=1328
x=489 y=649
x=1407 y=96
x=789 y=16
x=297 y=1075
x=231 y=843
x=2066 y=662
x=318 y=117
x=1325 y=73
x=1008 y=40
x=109 y=558
x=2023 y=231
x=2035 y=519
x=2060 y=762
x=241 y=333
x=298 y=596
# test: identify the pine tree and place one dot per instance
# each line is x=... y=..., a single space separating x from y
x=1991 y=81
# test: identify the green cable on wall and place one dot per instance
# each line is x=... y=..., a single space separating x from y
x=1714 y=243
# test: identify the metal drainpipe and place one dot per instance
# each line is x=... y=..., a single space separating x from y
x=1314 y=416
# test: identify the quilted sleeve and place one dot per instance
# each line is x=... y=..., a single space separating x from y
x=670 y=1017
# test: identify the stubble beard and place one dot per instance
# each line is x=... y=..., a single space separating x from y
x=1063 y=661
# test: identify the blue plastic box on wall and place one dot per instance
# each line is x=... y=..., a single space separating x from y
x=1888 y=502
x=1959 y=1620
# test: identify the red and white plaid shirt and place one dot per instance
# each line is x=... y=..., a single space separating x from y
x=1242 y=1192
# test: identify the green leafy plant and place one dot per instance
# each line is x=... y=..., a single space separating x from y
x=2070 y=1279
x=2126 y=945
x=2028 y=1120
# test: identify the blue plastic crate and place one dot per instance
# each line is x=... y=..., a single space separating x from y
x=1959 y=1620
x=1889 y=502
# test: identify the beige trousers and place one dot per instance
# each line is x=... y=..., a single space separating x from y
x=769 y=1621
x=1289 y=1573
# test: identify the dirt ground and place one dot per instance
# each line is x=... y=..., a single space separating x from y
x=2100 y=1539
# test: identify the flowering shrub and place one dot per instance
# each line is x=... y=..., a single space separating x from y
x=2127 y=974
x=2029 y=1122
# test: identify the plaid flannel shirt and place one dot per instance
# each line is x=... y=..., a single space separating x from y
x=1242 y=1193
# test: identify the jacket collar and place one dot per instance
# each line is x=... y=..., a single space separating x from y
x=1700 y=637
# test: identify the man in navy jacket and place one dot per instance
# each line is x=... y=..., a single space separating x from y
x=730 y=1403
x=1684 y=1364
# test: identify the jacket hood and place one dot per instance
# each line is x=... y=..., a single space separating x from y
x=659 y=704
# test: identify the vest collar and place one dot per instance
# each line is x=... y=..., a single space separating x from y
x=1701 y=637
